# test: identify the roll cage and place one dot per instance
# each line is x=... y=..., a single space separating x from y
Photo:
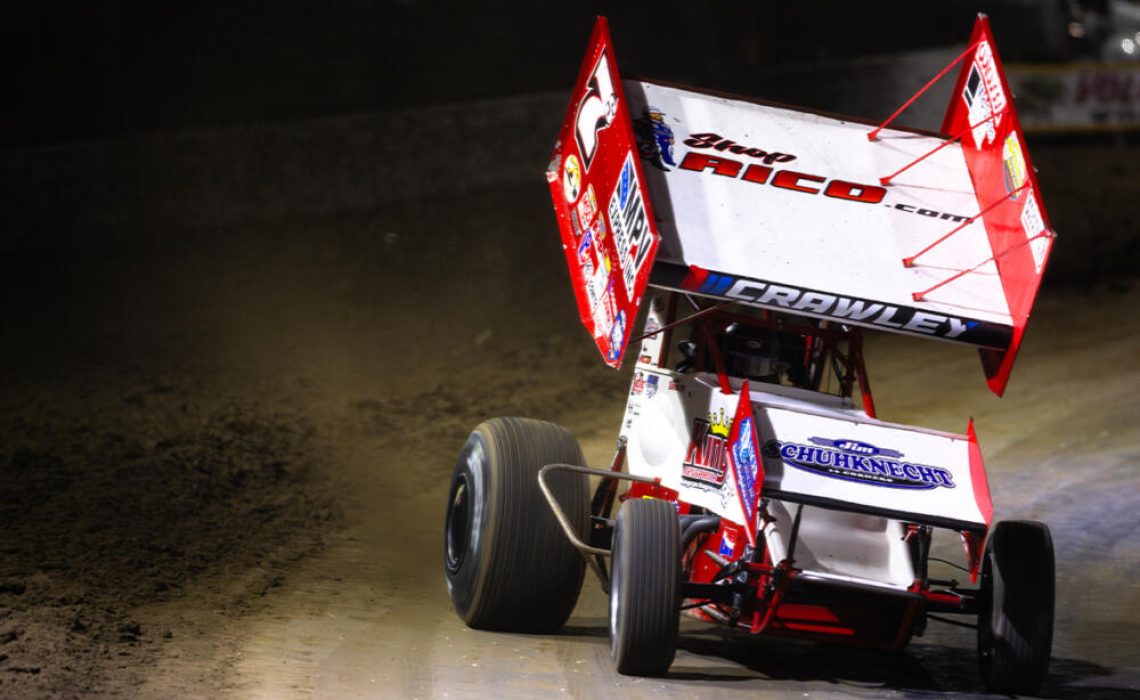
x=816 y=350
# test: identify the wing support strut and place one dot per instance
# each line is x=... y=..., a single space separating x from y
x=909 y=262
x=957 y=137
x=919 y=296
x=874 y=134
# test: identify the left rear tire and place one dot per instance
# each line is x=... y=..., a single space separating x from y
x=509 y=565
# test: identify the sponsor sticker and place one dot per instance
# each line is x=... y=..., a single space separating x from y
x=617 y=333
x=863 y=311
x=630 y=224
x=1013 y=165
x=984 y=96
x=704 y=463
x=717 y=142
x=978 y=109
x=598 y=290
x=984 y=60
x=588 y=206
x=860 y=462
x=597 y=109
x=1033 y=225
x=744 y=459
x=727 y=545
x=584 y=253
x=655 y=139
x=651 y=386
x=603 y=319
x=571 y=178
x=638 y=384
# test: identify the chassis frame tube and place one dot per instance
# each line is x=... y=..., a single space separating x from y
x=567 y=527
x=596 y=562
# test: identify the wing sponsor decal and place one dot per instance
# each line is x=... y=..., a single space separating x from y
x=575 y=225
x=860 y=462
x=596 y=111
x=929 y=213
x=719 y=143
x=792 y=180
x=617 y=333
x=984 y=97
x=571 y=178
x=655 y=139
x=712 y=163
x=588 y=206
x=1033 y=225
x=1013 y=165
x=865 y=312
x=585 y=254
x=630 y=224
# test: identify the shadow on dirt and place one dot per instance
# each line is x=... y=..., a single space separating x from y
x=921 y=668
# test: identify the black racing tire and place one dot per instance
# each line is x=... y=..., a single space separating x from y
x=645 y=586
x=1015 y=616
x=509 y=565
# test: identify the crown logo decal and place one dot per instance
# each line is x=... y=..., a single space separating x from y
x=719 y=424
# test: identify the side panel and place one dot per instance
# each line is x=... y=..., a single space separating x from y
x=998 y=162
x=608 y=232
x=677 y=428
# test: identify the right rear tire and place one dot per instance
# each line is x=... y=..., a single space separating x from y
x=1015 y=620
x=645 y=588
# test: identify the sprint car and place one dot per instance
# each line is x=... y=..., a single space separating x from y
x=753 y=483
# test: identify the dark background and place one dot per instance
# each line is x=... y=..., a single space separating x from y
x=168 y=124
x=260 y=259
x=81 y=70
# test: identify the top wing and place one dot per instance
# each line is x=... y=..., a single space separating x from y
x=940 y=236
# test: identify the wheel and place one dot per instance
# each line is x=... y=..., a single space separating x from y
x=509 y=565
x=645 y=588
x=1015 y=618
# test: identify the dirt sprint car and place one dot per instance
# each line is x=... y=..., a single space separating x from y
x=761 y=492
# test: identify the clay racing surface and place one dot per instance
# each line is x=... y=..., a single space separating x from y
x=225 y=459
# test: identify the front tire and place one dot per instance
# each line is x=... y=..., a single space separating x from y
x=1015 y=620
x=509 y=565
x=645 y=588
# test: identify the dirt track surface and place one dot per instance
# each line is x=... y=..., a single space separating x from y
x=225 y=462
